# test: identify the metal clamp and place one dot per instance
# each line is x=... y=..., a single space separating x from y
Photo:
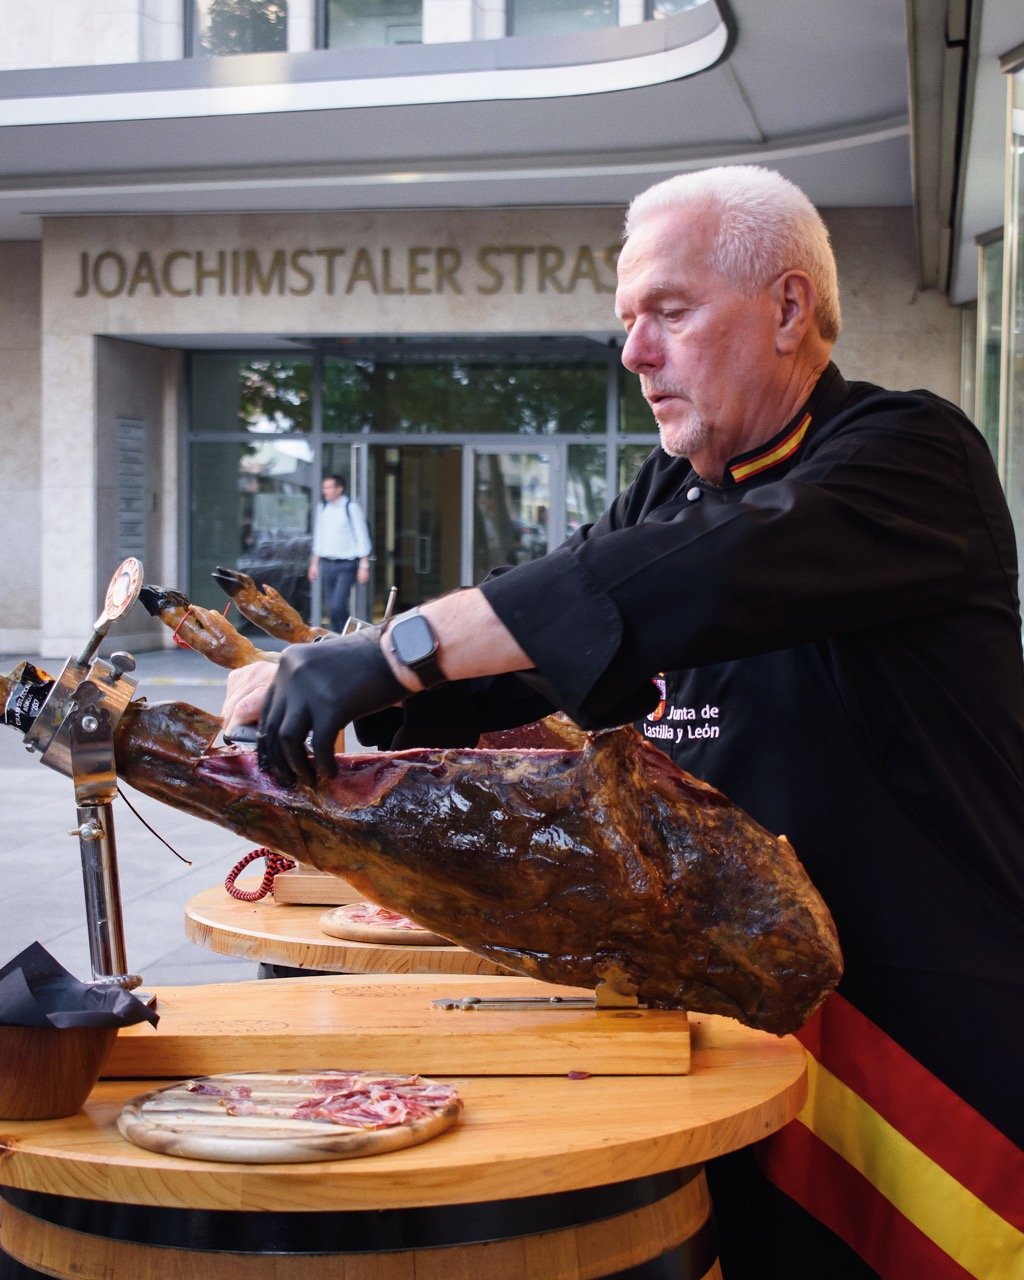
x=614 y=990
x=74 y=731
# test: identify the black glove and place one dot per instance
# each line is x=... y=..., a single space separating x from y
x=322 y=687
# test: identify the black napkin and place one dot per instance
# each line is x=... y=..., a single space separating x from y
x=36 y=991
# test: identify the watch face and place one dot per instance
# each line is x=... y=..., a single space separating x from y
x=413 y=639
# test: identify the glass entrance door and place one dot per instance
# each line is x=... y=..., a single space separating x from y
x=514 y=500
x=412 y=496
x=442 y=516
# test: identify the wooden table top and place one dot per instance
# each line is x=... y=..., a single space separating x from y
x=519 y=1136
x=270 y=932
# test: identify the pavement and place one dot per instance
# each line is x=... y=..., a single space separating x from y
x=41 y=889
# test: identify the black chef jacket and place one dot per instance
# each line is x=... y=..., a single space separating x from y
x=835 y=636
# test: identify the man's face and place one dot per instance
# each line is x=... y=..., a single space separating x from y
x=704 y=351
x=331 y=490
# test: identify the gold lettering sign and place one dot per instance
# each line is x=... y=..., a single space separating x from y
x=342 y=270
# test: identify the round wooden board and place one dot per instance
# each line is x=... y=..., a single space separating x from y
x=180 y=1121
x=339 y=923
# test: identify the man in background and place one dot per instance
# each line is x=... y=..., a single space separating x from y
x=341 y=549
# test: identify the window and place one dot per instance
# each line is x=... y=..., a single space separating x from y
x=373 y=22
x=251 y=508
x=989 y=338
x=467 y=394
x=258 y=395
x=666 y=8
x=418 y=425
x=250 y=497
x=586 y=488
x=1013 y=337
x=555 y=17
x=214 y=28
x=631 y=458
x=635 y=416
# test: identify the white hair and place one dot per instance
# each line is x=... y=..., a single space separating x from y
x=766 y=226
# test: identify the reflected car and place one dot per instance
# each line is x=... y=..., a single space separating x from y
x=531 y=542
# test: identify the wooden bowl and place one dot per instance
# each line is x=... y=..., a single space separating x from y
x=47 y=1072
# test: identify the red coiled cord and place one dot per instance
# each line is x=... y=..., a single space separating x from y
x=276 y=863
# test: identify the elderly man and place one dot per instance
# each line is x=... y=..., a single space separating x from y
x=819 y=579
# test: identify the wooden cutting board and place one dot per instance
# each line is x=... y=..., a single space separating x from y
x=364 y=1022
x=272 y=933
x=306 y=886
x=249 y=1118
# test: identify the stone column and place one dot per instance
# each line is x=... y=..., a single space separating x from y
x=447 y=20
x=20 y=462
x=301 y=25
x=161 y=30
x=630 y=12
x=67 y=553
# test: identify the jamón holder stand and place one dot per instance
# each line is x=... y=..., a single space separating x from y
x=74 y=732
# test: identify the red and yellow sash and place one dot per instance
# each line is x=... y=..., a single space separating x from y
x=890 y=1159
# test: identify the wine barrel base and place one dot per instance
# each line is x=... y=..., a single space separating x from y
x=12 y=1269
x=662 y=1231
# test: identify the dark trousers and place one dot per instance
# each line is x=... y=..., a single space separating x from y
x=337 y=578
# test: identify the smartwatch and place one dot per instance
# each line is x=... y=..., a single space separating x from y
x=414 y=644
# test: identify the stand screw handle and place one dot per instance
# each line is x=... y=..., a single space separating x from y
x=87 y=831
x=122 y=663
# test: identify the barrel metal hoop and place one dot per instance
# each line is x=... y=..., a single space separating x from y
x=349 y=1231
x=691 y=1260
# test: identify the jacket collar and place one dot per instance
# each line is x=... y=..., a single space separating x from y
x=785 y=446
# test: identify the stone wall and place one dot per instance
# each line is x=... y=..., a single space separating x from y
x=894 y=333
x=82 y=33
x=20 y=457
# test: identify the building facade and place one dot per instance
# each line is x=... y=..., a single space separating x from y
x=177 y=380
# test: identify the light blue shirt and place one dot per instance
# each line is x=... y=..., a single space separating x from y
x=340 y=531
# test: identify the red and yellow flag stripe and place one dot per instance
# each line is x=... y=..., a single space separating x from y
x=887 y=1156
x=778 y=453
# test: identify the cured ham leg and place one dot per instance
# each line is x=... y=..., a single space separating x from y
x=566 y=861
x=205 y=630
x=266 y=608
x=560 y=863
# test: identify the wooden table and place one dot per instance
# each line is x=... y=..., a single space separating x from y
x=278 y=934
x=546 y=1177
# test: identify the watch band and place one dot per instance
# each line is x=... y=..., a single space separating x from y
x=414 y=644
